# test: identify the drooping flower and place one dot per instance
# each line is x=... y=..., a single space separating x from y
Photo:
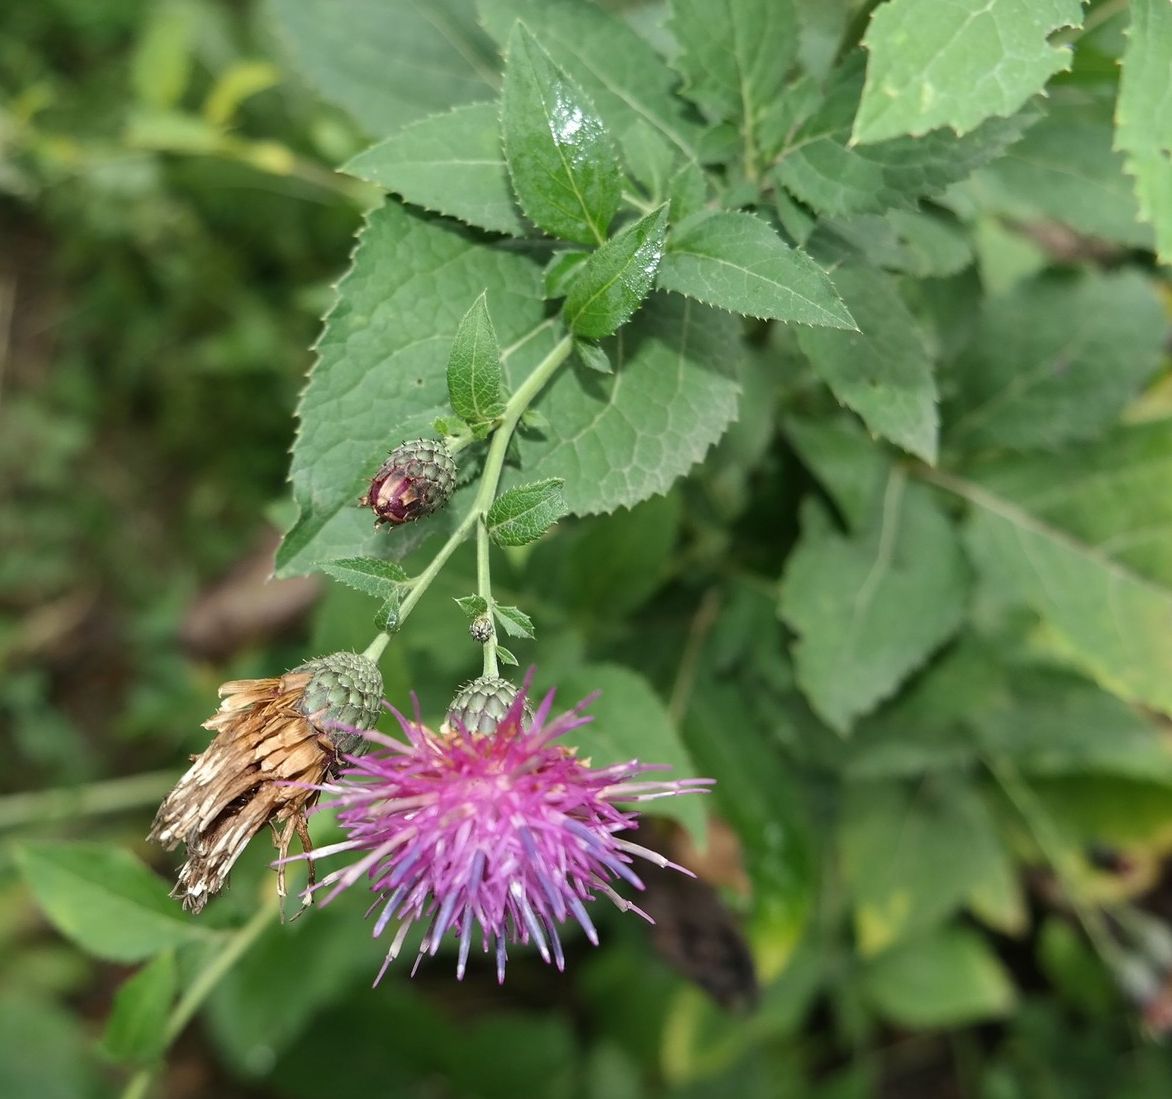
x=508 y=831
x=276 y=740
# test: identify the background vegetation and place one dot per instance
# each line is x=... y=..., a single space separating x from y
x=925 y=653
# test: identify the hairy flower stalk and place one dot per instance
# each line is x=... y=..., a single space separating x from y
x=276 y=740
x=507 y=830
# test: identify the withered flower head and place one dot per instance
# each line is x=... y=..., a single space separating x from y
x=416 y=480
x=275 y=739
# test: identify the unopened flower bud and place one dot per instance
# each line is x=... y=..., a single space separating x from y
x=416 y=480
x=480 y=705
x=481 y=628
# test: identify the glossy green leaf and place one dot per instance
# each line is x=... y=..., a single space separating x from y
x=881 y=371
x=612 y=283
x=380 y=377
x=561 y=157
x=105 y=900
x=1143 y=119
x=620 y=71
x=870 y=608
x=389 y=63
x=734 y=56
x=451 y=163
x=524 y=513
x=1056 y=361
x=947 y=979
x=475 y=380
x=938 y=64
x=137 y=1027
x=617 y=439
x=737 y=262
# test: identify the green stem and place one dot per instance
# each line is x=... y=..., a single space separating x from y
x=192 y=1000
x=68 y=802
x=484 y=587
x=494 y=464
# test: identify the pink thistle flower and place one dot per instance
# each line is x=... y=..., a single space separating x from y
x=507 y=830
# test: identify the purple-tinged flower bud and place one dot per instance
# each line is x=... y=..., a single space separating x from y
x=482 y=629
x=480 y=705
x=416 y=480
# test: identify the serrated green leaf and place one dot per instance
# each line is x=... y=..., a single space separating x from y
x=736 y=262
x=561 y=157
x=505 y=656
x=899 y=843
x=371 y=575
x=734 y=57
x=871 y=608
x=105 y=900
x=1056 y=361
x=593 y=357
x=612 y=283
x=475 y=380
x=389 y=64
x=821 y=167
x=1143 y=120
x=621 y=72
x=1064 y=168
x=451 y=163
x=137 y=1027
x=926 y=245
x=649 y=157
x=675 y=377
x=515 y=621
x=380 y=377
x=472 y=605
x=934 y=64
x=560 y=272
x=850 y=466
x=882 y=371
x=946 y=979
x=1112 y=494
x=524 y=513
x=1111 y=622
x=631 y=722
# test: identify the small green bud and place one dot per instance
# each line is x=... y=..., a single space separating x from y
x=480 y=704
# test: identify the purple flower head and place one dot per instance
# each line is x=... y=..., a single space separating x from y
x=510 y=831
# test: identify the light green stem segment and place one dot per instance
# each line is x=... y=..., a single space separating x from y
x=192 y=1000
x=494 y=463
x=484 y=588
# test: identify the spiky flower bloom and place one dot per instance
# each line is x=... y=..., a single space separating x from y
x=509 y=830
x=416 y=480
x=276 y=739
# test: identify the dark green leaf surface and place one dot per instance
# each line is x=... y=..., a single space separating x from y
x=620 y=438
x=621 y=72
x=871 y=608
x=736 y=262
x=944 y=980
x=734 y=56
x=451 y=163
x=612 y=283
x=561 y=158
x=136 y=1029
x=389 y=63
x=1143 y=118
x=947 y=63
x=819 y=165
x=1056 y=361
x=380 y=377
x=475 y=380
x=524 y=513
x=105 y=900
x=371 y=575
x=882 y=371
